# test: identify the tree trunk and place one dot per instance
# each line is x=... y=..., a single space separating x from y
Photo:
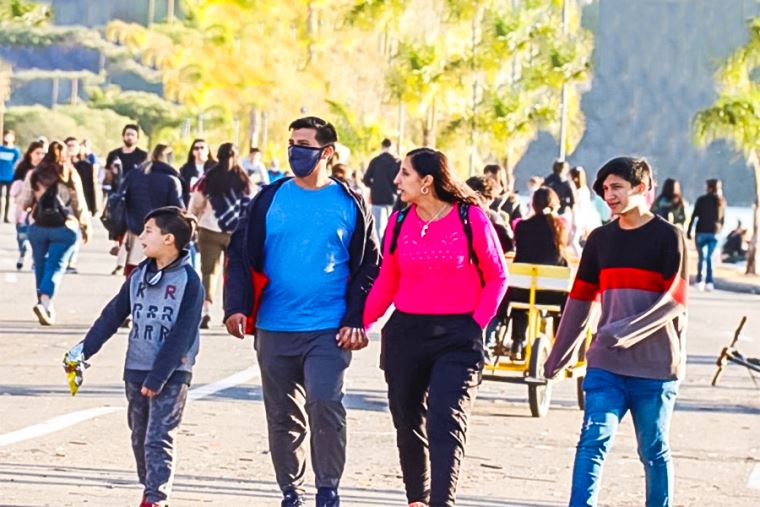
x=264 y=132
x=752 y=250
x=254 y=128
x=54 y=98
x=170 y=8
x=400 y=127
x=74 y=92
x=428 y=130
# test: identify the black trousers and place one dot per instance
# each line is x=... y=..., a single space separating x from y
x=433 y=366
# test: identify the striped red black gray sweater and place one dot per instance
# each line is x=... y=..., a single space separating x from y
x=640 y=278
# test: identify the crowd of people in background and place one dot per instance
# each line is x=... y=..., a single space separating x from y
x=352 y=219
x=149 y=182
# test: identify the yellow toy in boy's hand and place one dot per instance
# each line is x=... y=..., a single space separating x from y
x=74 y=366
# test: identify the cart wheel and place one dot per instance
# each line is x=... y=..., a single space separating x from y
x=581 y=394
x=539 y=396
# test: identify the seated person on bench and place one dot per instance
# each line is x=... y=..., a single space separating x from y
x=540 y=239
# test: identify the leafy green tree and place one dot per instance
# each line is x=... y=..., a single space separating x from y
x=734 y=117
x=152 y=112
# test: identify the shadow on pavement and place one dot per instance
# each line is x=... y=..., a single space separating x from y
x=187 y=484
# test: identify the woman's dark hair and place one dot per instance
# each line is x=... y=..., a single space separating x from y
x=483 y=185
x=578 y=175
x=25 y=165
x=227 y=173
x=671 y=190
x=190 y=152
x=50 y=170
x=176 y=221
x=634 y=170
x=712 y=185
x=545 y=203
x=426 y=161
x=157 y=155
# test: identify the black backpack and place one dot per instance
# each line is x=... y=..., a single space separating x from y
x=464 y=217
x=50 y=210
x=114 y=217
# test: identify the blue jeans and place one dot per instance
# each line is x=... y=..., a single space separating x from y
x=22 y=238
x=706 y=244
x=51 y=250
x=608 y=397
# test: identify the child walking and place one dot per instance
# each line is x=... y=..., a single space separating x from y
x=164 y=297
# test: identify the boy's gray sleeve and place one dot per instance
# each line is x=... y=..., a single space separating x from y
x=181 y=337
x=108 y=323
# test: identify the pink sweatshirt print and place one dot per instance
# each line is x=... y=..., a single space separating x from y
x=432 y=275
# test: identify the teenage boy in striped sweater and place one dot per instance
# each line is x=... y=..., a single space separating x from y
x=636 y=267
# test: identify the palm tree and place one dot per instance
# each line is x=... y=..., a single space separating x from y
x=735 y=118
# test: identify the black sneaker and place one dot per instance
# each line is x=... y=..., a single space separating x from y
x=205 y=321
x=71 y=270
x=291 y=498
x=328 y=497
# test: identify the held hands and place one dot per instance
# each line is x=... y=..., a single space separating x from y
x=352 y=338
x=149 y=393
x=235 y=325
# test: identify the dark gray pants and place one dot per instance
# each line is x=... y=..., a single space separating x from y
x=302 y=376
x=154 y=424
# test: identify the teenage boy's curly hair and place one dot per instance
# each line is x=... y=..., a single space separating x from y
x=634 y=170
x=176 y=221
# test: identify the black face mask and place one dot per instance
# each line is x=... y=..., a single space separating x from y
x=304 y=159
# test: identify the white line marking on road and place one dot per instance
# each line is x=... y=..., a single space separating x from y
x=54 y=424
x=67 y=420
x=238 y=378
x=754 y=478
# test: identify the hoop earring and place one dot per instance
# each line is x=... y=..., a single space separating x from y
x=424 y=190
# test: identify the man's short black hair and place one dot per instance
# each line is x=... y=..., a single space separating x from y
x=69 y=139
x=326 y=133
x=176 y=221
x=130 y=126
x=634 y=170
x=386 y=143
x=254 y=150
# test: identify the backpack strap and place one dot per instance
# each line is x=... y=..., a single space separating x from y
x=464 y=216
x=400 y=217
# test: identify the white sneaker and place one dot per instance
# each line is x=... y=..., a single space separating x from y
x=45 y=318
x=710 y=287
x=701 y=286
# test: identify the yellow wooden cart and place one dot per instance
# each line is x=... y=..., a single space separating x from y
x=539 y=339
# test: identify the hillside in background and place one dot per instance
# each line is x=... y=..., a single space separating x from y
x=653 y=69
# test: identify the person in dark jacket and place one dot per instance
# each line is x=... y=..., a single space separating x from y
x=505 y=199
x=670 y=204
x=709 y=213
x=381 y=172
x=156 y=184
x=559 y=181
x=299 y=268
x=199 y=161
x=540 y=239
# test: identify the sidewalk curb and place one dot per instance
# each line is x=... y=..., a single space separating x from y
x=732 y=286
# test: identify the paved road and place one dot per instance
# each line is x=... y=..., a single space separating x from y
x=513 y=459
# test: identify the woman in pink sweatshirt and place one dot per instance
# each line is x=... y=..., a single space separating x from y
x=444 y=272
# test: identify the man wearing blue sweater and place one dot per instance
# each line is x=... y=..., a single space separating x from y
x=164 y=296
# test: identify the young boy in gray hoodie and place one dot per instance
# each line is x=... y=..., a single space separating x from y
x=164 y=296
